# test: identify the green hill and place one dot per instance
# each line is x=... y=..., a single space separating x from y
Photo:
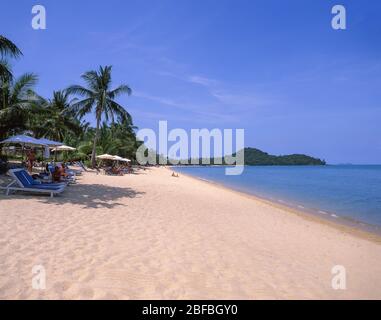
x=256 y=157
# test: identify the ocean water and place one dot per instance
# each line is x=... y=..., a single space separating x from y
x=350 y=192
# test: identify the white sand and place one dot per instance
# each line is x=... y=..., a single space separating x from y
x=152 y=236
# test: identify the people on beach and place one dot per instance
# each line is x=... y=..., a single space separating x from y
x=56 y=174
x=59 y=173
x=116 y=170
x=31 y=157
x=175 y=175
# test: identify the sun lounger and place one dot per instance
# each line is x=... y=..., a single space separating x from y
x=27 y=184
x=81 y=165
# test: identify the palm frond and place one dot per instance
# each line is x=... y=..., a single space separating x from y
x=82 y=91
x=105 y=77
x=91 y=78
x=5 y=71
x=22 y=85
x=82 y=107
x=119 y=90
x=116 y=108
x=7 y=47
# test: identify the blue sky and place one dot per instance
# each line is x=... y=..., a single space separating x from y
x=275 y=68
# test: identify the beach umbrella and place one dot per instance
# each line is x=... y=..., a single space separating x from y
x=50 y=143
x=106 y=157
x=117 y=158
x=23 y=140
x=64 y=148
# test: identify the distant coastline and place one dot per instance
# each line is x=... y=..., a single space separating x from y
x=256 y=157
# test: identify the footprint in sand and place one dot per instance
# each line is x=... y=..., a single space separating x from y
x=62 y=286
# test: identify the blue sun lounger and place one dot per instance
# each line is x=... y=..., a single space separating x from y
x=27 y=184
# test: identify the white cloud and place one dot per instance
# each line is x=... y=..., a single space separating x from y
x=214 y=112
x=203 y=81
x=217 y=90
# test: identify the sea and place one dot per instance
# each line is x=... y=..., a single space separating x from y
x=349 y=193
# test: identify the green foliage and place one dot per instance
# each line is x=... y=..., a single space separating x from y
x=116 y=139
x=7 y=49
x=54 y=118
x=257 y=157
x=17 y=103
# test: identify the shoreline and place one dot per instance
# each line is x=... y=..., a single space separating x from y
x=357 y=228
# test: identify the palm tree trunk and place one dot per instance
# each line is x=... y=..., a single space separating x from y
x=93 y=153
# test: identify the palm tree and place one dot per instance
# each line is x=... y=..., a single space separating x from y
x=99 y=96
x=16 y=99
x=55 y=118
x=7 y=48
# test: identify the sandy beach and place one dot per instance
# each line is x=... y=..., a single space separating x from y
x=152 y=236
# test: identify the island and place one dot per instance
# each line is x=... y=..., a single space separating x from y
x=256 y=157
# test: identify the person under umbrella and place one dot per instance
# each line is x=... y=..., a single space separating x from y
x=31 y=158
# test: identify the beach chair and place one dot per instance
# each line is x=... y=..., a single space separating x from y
x=27 y=184
x=81 y=165
x=73 y=172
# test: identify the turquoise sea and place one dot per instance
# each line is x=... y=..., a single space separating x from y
x=351 y=192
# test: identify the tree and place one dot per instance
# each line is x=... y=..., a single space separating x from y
x=100 y=99
x=55 y=118
x=16 y=100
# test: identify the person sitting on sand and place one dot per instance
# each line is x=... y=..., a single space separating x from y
x=176 y=175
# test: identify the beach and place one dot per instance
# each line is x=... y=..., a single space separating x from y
x=153 y=236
